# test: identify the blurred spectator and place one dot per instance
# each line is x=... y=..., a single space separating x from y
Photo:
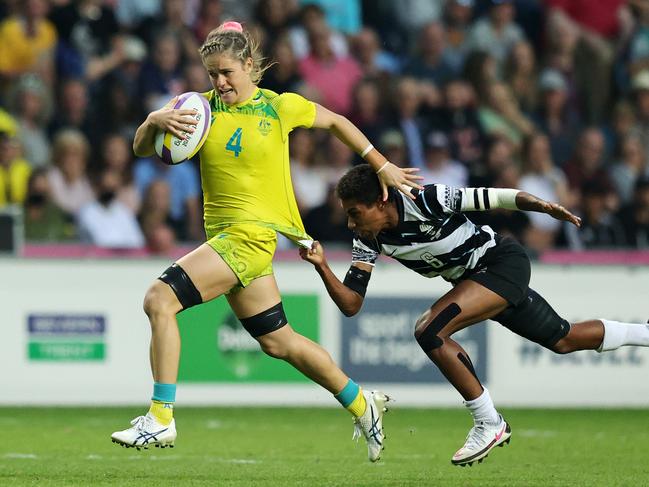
x=183 y=182
x=209 y=16
x=501 y=115
x=120 y=102
x=27 y=42
x=430 y=62
x=635 y=216
x=43 y=220
x=155 y=218
x=543 y=179
x=499 y=154
x=367 y=112
x=32 y=107
x=480 y=70
x=496 y=33
x=161 y=75
x=598 y=18
x=14 y=170
x=554 y=117
x=638 y=48
x=393 y=146
x=89 y=46
x=600 y=228
x=342 y=15
x=68 y=179
x=458 y=15
x=459 y=119
x=640 y=85
x=587 y=167
x=621 y=124
x=309 y=179
x=129 y=13
x=374 y=61
x=630 y=167
x=439 y=167
x=584 y=60
x=334 y=77
x=337 y=158
x=173 y=19
x=117 y=156
x=196 y=78
x=328 y=222
x=520 y=75
x=412 y=15
x=312 y=19
x=283 y=76
x=274 y=17
x=407 y=101
x=73 y=110
x=106 y=221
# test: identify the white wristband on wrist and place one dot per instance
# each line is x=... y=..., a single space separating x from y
x=383 y=167
x=367 y=150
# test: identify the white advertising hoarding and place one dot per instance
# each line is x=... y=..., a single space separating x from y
x=73 y=332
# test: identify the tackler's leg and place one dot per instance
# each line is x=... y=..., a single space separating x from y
x=466 y=304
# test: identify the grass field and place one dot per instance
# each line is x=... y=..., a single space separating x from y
x=310 y=447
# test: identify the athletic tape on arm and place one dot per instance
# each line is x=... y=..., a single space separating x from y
x=481 y=199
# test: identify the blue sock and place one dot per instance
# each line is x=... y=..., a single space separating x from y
x=164 y=392
x=348 y=394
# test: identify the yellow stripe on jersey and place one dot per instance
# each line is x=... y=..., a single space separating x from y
x=245 y=168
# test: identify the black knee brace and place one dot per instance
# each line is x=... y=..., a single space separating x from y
x=428 y=340
x=265 y=322
x=535 y=320
x=182 y=286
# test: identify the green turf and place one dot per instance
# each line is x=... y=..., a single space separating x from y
x=309 y=447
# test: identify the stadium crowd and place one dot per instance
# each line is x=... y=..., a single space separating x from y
x=548 y=96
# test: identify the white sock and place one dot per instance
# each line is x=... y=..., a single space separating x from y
x=482 y=408
x=617 y=334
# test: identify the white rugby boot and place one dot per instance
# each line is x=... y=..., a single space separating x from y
x=370 y=424
x=146 y=431
x=482 y=438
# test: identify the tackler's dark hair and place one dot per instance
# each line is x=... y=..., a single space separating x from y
x=361 y=184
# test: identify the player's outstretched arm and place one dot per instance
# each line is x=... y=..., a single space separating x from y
x=347 y=300
x=166 y=118
x=529 y=202
x=481 y=199
x=389 y=175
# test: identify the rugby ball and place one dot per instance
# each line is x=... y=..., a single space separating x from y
x=173 y=150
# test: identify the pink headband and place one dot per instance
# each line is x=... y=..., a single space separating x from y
x=232 y=25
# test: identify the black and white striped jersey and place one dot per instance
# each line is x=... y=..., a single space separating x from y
x=432 y=237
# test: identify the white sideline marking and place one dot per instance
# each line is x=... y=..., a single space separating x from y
x=30 y=456
x=214 y=424
x=240 y=460
x=94 y=457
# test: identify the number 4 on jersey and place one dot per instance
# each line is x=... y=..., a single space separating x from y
x=234 y=144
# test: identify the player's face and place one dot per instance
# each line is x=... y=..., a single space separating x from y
x=365 y=220
x=230 y=77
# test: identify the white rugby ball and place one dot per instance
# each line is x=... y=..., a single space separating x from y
x=173 y=150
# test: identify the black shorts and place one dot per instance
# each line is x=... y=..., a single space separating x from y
x=505 y=270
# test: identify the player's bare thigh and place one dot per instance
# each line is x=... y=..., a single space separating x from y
x=260 y=295
x=208 y=271
x=475 y=302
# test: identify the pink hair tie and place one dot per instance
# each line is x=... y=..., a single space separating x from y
x=232 y=25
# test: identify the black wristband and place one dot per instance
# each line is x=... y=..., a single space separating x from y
x=357 y=279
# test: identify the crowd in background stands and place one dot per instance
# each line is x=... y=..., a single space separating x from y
x=548 y=96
